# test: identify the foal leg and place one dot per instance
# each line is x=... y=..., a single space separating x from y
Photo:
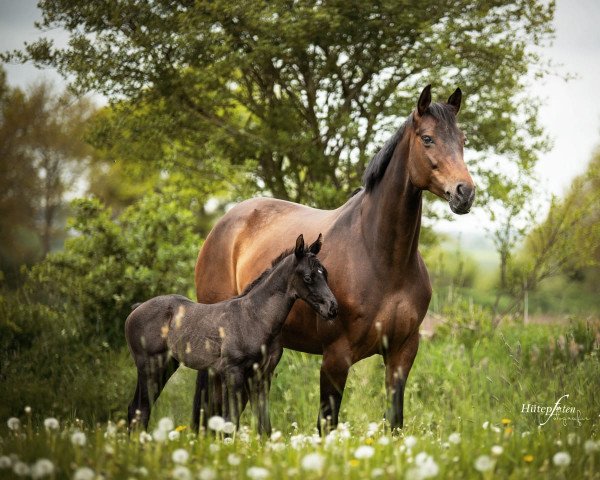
x=398 y=363
x=140 y=401
x=334 y=372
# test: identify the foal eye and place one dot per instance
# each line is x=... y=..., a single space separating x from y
x=307 y=279
x=427 y=140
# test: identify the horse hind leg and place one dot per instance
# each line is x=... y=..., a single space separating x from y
x=139 y=408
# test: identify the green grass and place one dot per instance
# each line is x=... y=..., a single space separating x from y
x=456 y=386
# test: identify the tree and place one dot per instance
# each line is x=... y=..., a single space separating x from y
x=304 y=91
x=41 y=153
x=568 y=239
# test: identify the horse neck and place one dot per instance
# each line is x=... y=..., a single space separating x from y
x=271 y=299
x=391 y=212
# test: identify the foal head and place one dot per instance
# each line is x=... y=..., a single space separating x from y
x=309 y=280
x=436 y=145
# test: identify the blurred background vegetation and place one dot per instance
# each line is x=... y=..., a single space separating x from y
x=211 y=103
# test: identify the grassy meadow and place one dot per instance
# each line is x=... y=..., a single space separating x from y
x=463 y=419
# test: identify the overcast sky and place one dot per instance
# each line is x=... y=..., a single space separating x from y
x=570 y=113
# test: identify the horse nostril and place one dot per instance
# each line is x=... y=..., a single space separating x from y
x=333 y=310
x=460 y=189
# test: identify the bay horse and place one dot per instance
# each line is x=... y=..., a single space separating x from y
x=238 y=339
x=375 y=269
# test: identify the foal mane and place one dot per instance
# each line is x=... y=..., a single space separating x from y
x=276 y=261
x=380 y=161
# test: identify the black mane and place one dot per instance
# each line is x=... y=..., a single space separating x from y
x=276 y=261
x=379 y=163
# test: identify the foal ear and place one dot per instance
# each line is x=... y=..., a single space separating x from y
x=424 y=100
x=316 y=246
x=455 y=99
x=299 y=250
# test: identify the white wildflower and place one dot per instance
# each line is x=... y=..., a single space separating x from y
x=228 y=428
x=207 y=473
x=426 y=465
x=257 y=473
x=485 y=425
x=377 y=472
x=454 y=438
x=51 y=423
x=13 y=423
x=143 y=471
x=313 y=462
x=383 y=441
x=78 y=439
x=572 y=439
x=159 y=435
x=561 y=459
x=84 y=473
x=364 y=451
x=174 y=435
x=145 y=437
x=590 y=446
x=497 y=450
x=410 y=441
x=484 y=463
x=5 y=462
x=233 y=459
x=276 y=436
x=181 y=473
x=42 y=468
x=21 y=469
x=180 y=456
x=216 y=423
x=166 y=424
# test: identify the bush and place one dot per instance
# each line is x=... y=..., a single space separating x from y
x=61 y=334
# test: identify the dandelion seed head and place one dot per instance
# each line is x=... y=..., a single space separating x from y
x=257 y=473
x=13 y=423
x=181 y=473
x=383 y=441
x=410 y=441
x=454 y=438
x=364 y=451
x=159 y=435
x=5 y=462
x=228 y=441
x=313 y=462
x=216 y=423
x=228 y=428
x=180 y=456
x=42 y=468
x=84 y=473
x=207 y=473
x=28 y=410
x=590 y=446
x=21 y=469
x=166 y=424
x=233 y=459
x=78 y=439
x=484 y=463
x=174 y=435
x=497 y=450
x=561 y=459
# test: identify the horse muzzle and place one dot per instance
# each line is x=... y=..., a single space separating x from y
x=461 y=199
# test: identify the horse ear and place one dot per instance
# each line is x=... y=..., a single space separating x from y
x=424 y=100
x=316 y=246
x=299 y=250
x=455 y=99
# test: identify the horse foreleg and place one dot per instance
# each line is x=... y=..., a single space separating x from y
x=334 y=372
x=398 y=363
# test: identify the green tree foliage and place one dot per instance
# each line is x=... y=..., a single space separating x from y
x=41 y=156
x=567 y=242
x=62 y=346
x=304 y=91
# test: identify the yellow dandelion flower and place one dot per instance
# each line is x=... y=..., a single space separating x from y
x=528 y=458
x=369 y=441
x=353 y=462
x=507 y=431
x=180 y=428
x=506 y=421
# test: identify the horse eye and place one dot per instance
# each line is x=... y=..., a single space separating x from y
x=427 y=140
x=307 y=279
